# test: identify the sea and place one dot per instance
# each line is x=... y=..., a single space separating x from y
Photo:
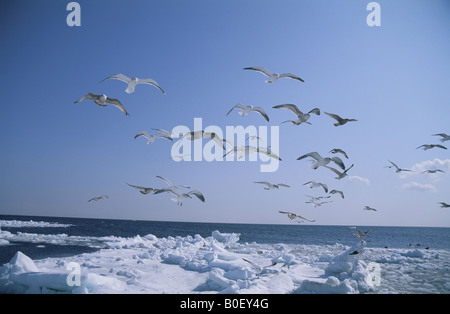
x=72 y=236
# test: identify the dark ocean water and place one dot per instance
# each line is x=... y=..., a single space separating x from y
x=85 y=235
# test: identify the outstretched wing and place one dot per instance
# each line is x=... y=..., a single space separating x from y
x=260 y=69
x=334 y=116
x=291 y=107
x=238 y=106
x=293 y=76
x=338 y=161
x=198 y=194
x=165 y=180
x=261 y=112
x=119 y=77
x=116 y=103
x=151 y=82
x=89 y=96
x=314 y=155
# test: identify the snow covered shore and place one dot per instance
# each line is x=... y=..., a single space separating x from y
x=219 y=264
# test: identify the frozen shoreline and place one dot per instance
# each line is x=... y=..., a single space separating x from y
x=215 y=264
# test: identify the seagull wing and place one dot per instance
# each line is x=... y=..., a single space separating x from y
x=151 y=82
x=119 y=77
x=303 y=218
x=261 y=112
x=334 y=170
x=264 y=182
x=198 y=194
x=260 y=69
x=142 y=133
x=440 y=146
x=117 y=103
x=315 y=111
x=394 y=165
x=325 y=187
x=282 y=184
x=238 y=106
x=314 y=155
x=291 y=107
x=334 y=116
x=267 y=152
x=166 y=180
x=338 y=161
x=139 y=187
x=89 y=96
x=293 y=76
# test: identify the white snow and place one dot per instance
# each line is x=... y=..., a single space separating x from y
x=31 y=223
x=215 y=264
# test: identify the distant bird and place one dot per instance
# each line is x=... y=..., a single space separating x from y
x=337 y=191
x=369 y=208
x=340 y=121
x=337 y=150
x=341 y=175
x=430 y=146
x=316 y=198
x=317 y=203
x=247 y=109
x=361 y=235
x=314 y=184
x=293 y=216
x=271 y=186
x=301 y=117
x=180 y=197
x=196 y=135
x=444 y=137
x=242 y=151
x=132 y=82
x=444 y=205
x=321 y=161
x=98 y=198
x=152 y=138
x=258 y=269
x=170 y=184
x=272 y=77
x=103 y=100
x=397 y=168
x=144 y=190
x=433 y=171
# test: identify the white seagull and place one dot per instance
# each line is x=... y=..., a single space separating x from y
x=271 y=186
x=433 y=171
x=180 y=197
x=314 y=184
x=444 y=205
x=340 y=121
x=337 y=191
x=397 y=168
x=144 y=190
x=103 y=100
x=341 y=175
x=337 y=150
x=196 y=135
x=321 y=161
x=301 y=117
x=317 y=203
x=369 y=208
x=242 y=151
x=132 y=82
x=293 y=216
x=444 y=137
x=151 y=138
x=272 y=77
x=247 y=109
x=98 y=198
x=430 y=146
x=258 y=269
x=361 y=235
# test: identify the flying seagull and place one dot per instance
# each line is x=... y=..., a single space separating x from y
x=259 y=269
x=151 y=138
x=444 y=205
x=144 y=190
x=170 y=184
x=397 y=168
x=247 y=109
x=103 y=100
x=314 y=184
x=292 y=216
x=444 y=137
x=196 y=135
x=430 y=146
x=337 y=150
x=340 y=121
x=321 y=161
x=317 y=204
x=337 y=191
x=242 y=151
x=180 y=197
x=132 y=82
x=341 y=175
x=433 y=171
x=361 y=235
x=301 y=117
x=271 y=186
x=272 y=77
x=369 y=208
x=98 y=198
x=316 y=198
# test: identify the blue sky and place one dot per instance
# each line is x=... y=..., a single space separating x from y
x=394 y=79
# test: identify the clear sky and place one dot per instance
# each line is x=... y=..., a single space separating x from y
x=394 y=78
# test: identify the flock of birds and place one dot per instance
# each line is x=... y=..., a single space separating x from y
x=317 y=160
